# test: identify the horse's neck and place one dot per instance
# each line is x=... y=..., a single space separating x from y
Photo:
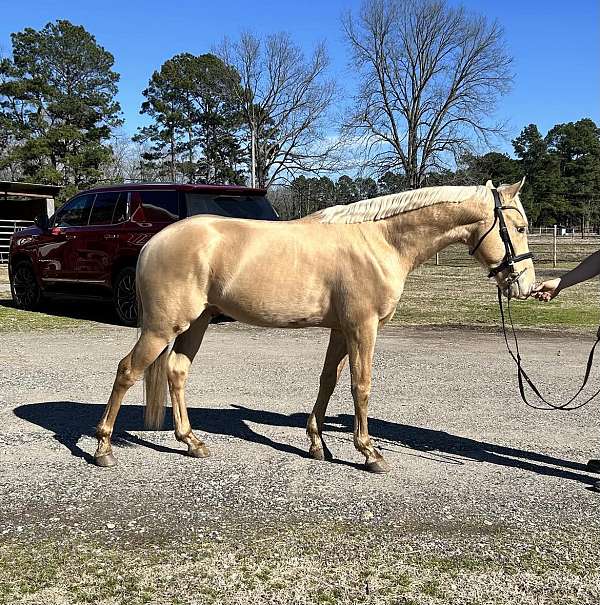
x=420 y=234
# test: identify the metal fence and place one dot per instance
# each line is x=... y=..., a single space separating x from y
x=549 y=250
x=7 y=228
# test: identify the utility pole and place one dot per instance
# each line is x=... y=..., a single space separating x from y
x=253 y=156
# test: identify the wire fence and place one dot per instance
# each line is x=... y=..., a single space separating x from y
x=548 y=250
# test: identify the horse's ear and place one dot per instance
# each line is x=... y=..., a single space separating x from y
x=489 y=184
x=510 y=191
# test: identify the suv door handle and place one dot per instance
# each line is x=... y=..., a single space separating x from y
x=110 y=236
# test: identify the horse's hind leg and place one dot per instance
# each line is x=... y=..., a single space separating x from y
x=178 y=364
x=361 y=346
x=131 y=368
x=335 y=359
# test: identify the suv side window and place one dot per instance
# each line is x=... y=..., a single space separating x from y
x=238 y=206
x=108 y=208
x=158 y=206
x=75 y=213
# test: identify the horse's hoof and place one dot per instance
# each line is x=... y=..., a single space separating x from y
x=378 y=466
x=316 y=453
x=105 y=461
x=200 y=452
x=593 y=466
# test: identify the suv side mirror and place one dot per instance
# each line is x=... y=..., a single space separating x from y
x=42 y=222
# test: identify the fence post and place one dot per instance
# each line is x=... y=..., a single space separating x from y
x=554 y=248
x=437 y=258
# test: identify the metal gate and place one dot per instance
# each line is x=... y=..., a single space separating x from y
x=7 y=228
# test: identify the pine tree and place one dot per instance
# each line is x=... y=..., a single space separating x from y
x=542 y=195
x=57 y=101
x=345 y=190
x=196 y=121
x=575 y=147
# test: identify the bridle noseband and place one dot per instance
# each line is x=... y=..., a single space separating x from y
x=510 y=258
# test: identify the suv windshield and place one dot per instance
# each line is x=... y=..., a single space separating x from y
x=238 y=206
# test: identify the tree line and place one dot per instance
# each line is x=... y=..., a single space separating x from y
x=255 y=113
x=562 y=171
x=428 y=77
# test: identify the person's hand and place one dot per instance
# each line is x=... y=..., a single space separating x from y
x=547 y=290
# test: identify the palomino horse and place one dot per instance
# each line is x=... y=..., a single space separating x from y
x=342 y=268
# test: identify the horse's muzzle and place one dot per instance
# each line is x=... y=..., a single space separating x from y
x=514 y=285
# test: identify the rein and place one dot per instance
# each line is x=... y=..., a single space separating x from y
x=524 y=378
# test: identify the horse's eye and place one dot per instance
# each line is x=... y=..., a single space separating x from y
x=522 y=229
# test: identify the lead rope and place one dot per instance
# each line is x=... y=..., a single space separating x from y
x=522 y=375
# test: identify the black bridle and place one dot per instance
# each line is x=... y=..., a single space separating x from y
x=508 y=262
x=510 y=257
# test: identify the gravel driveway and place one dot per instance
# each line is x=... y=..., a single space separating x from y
x=487 y=501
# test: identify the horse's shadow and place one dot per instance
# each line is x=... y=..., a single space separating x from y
x=69 y=421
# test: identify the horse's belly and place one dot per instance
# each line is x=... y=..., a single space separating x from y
x=275 y=302
x=274 y=313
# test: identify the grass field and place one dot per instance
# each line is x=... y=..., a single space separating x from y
x=284 y=564
x=462 y=296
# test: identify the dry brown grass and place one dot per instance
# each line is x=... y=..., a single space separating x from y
x=311 y=564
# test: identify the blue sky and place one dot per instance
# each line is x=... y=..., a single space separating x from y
x=555 y=44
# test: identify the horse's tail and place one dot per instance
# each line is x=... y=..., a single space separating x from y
x=155 y=379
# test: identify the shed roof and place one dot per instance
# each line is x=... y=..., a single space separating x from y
x=27 y=189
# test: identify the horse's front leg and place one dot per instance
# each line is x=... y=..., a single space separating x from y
x=361 y=345
x=335 y=360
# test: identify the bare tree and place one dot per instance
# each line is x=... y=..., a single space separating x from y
x=285 y=101
x=127 y=162
x=431 y=76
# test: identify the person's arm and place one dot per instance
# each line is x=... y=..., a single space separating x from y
x=588 y=268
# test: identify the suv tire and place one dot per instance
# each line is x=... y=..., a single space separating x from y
x=124 y=297
x=26 y=291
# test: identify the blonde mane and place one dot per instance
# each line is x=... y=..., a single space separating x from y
x=385 y=206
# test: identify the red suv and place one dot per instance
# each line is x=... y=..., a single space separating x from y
x=89 y=248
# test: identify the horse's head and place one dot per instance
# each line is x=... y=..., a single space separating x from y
x=500 y=241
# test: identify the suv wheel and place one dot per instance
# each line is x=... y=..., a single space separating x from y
x=26 y=291
x=124 y=297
